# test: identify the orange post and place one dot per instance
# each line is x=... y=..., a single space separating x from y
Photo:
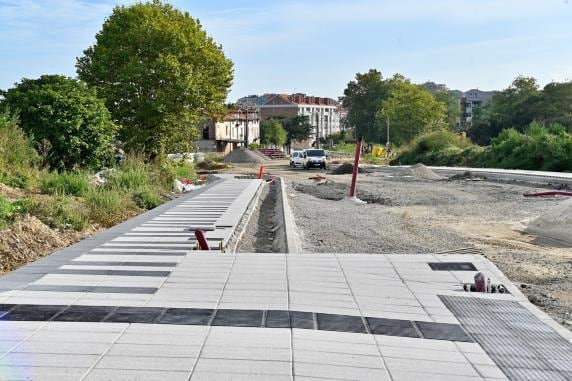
x=355 y=169
x=260 y=171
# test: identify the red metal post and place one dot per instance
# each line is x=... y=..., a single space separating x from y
x=203 y=244
x=355 y=169
x=260 y=171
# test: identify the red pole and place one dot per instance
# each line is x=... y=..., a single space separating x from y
x=260 y=172
x=355 y=169
x=200 y=236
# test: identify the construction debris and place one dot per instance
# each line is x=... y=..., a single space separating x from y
x=468 y=175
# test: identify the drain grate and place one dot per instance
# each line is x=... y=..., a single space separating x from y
x=522 y=346
x=452 y=266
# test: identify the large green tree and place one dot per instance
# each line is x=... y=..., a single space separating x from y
x=69 y=125
x=411 y=111
x=159 y=73
x=512 y=107
x=298 y=128
x=272 y=132
x=362 y=98
x=450 y=98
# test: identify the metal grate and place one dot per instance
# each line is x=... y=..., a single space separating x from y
x=452 y=266
x=522 y=346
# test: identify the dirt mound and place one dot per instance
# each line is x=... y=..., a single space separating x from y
x=262 y=156
x=468 y=175
x=421 y=172
x=29 y=239
x=243 y=155
x=555 y=223
x=10 y=192
x=347 y=168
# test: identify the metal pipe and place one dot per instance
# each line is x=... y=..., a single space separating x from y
x=201 y=239
x=551 y=193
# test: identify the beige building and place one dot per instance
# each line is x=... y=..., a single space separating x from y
x=229 y=133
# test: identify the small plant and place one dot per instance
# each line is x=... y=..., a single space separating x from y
x=9 y=210
x=67 y=183
x=186 y=171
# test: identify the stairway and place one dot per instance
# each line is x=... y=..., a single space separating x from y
x=273 y=153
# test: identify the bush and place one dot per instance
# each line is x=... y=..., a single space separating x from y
x=109 y=207
x=61 y=211
x=186 y=171
x=68 y=183
x=18 y=159
x=440 y=148
x=539 y=147
x=146 y=199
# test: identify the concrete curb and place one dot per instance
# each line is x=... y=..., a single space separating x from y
x=292 y=241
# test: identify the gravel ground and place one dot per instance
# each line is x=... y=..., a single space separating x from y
x=408 y=215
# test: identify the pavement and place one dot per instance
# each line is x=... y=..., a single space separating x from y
x=138 y=303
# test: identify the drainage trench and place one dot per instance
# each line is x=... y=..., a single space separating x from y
x=265 y=230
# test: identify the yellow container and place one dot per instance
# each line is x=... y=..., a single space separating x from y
x=377 y=151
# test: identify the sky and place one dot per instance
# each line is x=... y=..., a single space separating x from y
x=317 y=46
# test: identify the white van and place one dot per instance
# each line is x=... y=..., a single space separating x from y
x=296 y=159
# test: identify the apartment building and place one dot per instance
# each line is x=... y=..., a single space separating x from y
x=229 y=133
x=323 y=113
x=472 y=101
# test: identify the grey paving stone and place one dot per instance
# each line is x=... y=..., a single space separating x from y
x=190 y=316
x=84 y=313
x=135 y=315
x=136 y=375
x=238 y=318
x=330 y=322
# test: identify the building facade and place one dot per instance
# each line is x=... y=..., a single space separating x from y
x=229 y=133
x=323 y=113
x=471 y=102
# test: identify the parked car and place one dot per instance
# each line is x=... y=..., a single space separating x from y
x=297 y=159
x=314 y=158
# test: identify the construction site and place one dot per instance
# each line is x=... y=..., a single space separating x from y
x=270 y=272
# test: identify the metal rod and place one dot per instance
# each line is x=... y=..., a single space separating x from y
x=356 y=167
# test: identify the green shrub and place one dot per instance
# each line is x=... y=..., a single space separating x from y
x=18 y=160
x=439 y=148
x=68 y=183
x=61 y=211
x=109 y=207
x=539 y=147
x=129 y=179
x=146 y=199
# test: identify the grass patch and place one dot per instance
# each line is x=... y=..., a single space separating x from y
x=60 y=211
x=109 y=207
x=146 y=199
x=9 y=210
x=67 y=183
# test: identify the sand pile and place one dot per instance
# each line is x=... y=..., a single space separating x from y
x=555 y=223
x=243 y=155
x=419 y=171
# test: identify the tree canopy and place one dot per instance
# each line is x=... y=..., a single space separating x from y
x=411 y=111
x=298 y=128
x=69 y=125
x=362 y=98
x=159 y=73
x=272 y=132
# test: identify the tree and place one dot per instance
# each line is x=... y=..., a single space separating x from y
x=450 y=98
x=362 y=99
x=555 y=105
x=298 y=128
x=512 y=107
x=411 y=111
x=159 y=73
x=65 y=120
x=272 y=132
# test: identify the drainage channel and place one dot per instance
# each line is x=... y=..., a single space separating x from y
x=265 y=231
